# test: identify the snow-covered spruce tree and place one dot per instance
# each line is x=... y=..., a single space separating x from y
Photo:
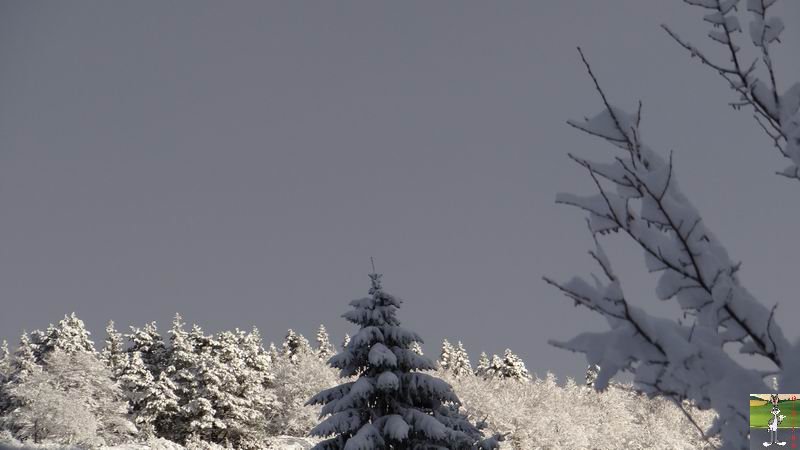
x=136 y=383
x=181 y=371
x=514 y=367
x=23 y=362
x=324 y=348
x=459 y=364
x=482 y=370
x=496 y=368
x=5 y=362
x=237 y=394
x=5 y=373
x=416 y=348
x=69 y=335
x=5 y=355
x=197 y=415
x=150 y=344
x=392 y=404
x=295 y=344
x=639 y=197
x=445 y=355
x=114 y=354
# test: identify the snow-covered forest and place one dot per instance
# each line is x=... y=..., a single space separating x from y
x=183 y=388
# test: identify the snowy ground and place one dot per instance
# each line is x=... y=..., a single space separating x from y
x=277 y=443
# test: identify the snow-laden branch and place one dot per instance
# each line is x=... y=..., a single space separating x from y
x=777 y=114
x=638 y=195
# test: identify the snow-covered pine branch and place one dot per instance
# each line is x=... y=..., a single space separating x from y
x=637 y=194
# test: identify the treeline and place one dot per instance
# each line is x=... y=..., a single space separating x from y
x=227 y=390
x=188 y=386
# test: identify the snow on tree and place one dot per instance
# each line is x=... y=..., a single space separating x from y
x=5 y=362
x=23 y=363
x=416 y=348
x=295 y=382
x=295 y=344
x=542 y=414
x=150 y=344
x=482 y=370
x=237 y=393
x=255 y=357
x=324 y=348
x=514 y=367
x=392 y=403
x=114 y=354
x=247 y=424
x=496 y=368
x=136 y=383
x=181 y=361
x=5 y=374
x=446 y=355
x=152 y=404
x=459 y=363
x=72 y=401
x=345 y=341
x=273 y=353
x=591 y=374
x=196 y=415
x=69 y=335
x=638 y=196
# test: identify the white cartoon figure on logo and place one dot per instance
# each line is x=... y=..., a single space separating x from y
x=774 y=421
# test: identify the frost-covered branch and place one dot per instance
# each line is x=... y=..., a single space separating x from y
x=777 y=114
x=638 y=195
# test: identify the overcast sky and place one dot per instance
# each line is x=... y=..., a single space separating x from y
x=240 y=162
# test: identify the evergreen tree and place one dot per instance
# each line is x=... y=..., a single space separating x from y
x=24 y=362
x=295 y=344
x=483 y=366
x=5 y=362
x=255 y=357
x=416 y=348
x=21 y=366
x=181 y=361
x=149 y=343
x=113 y=353
x=446 y=355
x=69 y=336
x=232 y=388
x=5 y=374
x=273 y=353
x=514 y=367
x=247 y=424
x=324 y=348
x=391 y=404
x=496 y=368
x=459 y=364
x=137 y=382
x=190 y=370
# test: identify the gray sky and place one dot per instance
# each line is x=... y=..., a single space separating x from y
x=240 y=163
